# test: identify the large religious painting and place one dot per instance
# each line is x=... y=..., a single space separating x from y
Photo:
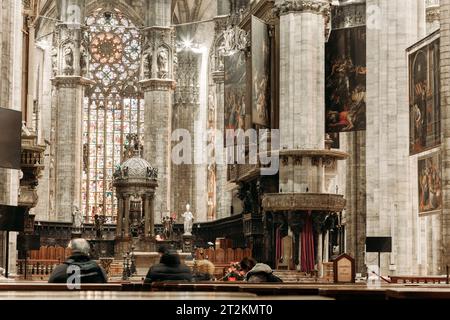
x=235 y=90
x=260 y=73
x=345 y=83
x=430 y=183
x=424 y=99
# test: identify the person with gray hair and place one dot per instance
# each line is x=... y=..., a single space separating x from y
x=79 y=268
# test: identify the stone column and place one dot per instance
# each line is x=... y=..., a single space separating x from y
x=120 y=210
x=389 y=177
x=146 y=207
x=157 y=84
x=151 y=211
x=126 y=216
x=223 y=197
x=320 y=254
x=11 y=49
x=302 y=85
x=70 y=85
x=445 y=109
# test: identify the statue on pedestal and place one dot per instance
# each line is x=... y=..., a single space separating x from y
x=168 y=227
x=77 y=220
x=188 y=221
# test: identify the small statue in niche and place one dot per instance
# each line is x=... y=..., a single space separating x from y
x=54 y=61
x=148 y=62
x=68 y=57
x=163 y=63
x=83 y=61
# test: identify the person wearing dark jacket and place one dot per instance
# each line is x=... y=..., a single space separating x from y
x=261 y=273
x=169 y=268
x=89 y=270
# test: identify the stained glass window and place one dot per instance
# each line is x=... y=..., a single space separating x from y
x=113 y=107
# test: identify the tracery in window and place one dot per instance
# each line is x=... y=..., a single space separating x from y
x=113 y=107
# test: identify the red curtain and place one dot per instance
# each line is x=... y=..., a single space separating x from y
x=307 y=246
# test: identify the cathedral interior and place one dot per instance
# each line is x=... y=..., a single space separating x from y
x=309 y=135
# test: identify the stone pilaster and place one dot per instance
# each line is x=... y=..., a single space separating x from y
x=389 y=175
x=223 y=193
x=158 y=84
x=69 y=83
x=445 y=124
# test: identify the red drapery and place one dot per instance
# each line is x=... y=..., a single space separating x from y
x=307 y=246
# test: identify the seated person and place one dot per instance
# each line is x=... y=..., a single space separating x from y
x=90 y=271
x=247 y=264
x=205 y=271
x=169 y=268
x=261 y=273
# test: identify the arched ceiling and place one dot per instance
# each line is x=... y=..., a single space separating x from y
x=184 y=11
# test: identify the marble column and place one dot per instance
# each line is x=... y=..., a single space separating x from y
x=445 y=109
x=70 y=84
x=126 y=216
x=389 y=176
x=223 y=197
x=302 y=85
x=120 y=209
x=11 y=52
x=146 y=207
x=157 y=83
x=151 y=212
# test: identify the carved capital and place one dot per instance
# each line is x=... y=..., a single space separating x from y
x=433 y=14
x=219 y=76
x=71 y=81
x=313 y=6
x=157 y=85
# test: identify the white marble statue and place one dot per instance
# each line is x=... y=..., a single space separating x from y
x=77 y=219
x=188 y=221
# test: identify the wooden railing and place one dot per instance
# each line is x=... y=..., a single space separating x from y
x=221 y=256
x=414 y=279
x=39 y=268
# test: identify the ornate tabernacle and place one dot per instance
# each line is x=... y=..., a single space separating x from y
x=135 y=183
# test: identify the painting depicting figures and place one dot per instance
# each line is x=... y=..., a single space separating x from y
x=345 y=82
x=260 y=73
x=424 y=97
x=235 y=91
x=430 y=183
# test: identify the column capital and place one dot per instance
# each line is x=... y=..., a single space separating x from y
x=218 y=76
x=300 y=6
x=71 y=81
x=158 y=85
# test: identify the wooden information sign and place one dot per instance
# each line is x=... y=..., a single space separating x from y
x=344 y=269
